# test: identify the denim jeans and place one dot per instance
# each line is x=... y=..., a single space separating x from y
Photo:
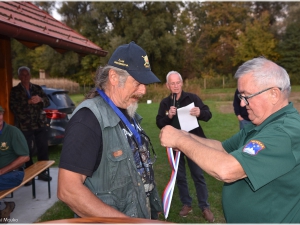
x=11 y=179
x=199 y=182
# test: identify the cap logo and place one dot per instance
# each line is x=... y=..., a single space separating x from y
x=121 y=62
x=146 y=64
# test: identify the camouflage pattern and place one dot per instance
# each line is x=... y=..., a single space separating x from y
x=28 y=116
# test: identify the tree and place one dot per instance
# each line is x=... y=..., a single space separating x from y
x=289 y=50
x=150 y=25
x=257 y=40
x=20 y=57
x=216 y=27
x=275 y=9
x=73 y=12
x=48 y=6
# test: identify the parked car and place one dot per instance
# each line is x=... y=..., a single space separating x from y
x=61 y=106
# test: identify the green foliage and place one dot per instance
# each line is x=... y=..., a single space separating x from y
x=198 y=39
x=289 y=49
x=20 y=57
x=257 y=40
x=216 y=25
x=46 y=6
x=46 y=58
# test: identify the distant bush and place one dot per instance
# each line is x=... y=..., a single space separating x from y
x=61 y=83
x=155 y=92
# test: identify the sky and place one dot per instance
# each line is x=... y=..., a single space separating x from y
x=55 y=14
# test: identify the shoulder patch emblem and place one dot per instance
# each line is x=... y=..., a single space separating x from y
x=253 y=147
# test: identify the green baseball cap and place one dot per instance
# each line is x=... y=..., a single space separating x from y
x=1 y=109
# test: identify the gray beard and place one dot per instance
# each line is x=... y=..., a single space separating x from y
x=132 y=109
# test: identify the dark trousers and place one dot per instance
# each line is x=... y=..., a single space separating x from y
x=199 y=181
x=37 y=139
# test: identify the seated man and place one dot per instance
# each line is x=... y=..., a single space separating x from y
x=14 y=153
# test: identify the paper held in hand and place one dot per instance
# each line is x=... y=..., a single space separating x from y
x=186 y=120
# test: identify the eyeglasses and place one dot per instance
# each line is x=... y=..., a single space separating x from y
x=245 y=98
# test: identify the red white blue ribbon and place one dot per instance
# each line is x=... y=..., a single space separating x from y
x=168 y=192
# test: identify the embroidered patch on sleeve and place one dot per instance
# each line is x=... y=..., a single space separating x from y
x=253 y=147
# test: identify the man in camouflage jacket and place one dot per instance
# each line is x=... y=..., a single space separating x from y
x=27 y=102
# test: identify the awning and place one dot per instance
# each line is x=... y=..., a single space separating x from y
x=34 y=27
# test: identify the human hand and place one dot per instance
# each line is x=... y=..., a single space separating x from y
x=169 y=136
x=172 y=112
x=195 y=111
x=240 y=118
x=35 y=99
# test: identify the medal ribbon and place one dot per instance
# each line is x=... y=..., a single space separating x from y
x=168 y=192
x=122 y=116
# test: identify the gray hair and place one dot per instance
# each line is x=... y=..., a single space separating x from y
x=101 y=79
x=173 y=72
x=23 y=68
x=266 y=74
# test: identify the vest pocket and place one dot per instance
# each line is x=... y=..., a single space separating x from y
x=126 y=204
x=118 y=169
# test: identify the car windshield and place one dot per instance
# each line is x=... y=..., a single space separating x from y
x=62 y=100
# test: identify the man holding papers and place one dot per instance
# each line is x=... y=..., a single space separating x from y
x=172 y=112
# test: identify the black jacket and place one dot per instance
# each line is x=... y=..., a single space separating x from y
x=238 y=110
x=186 y=98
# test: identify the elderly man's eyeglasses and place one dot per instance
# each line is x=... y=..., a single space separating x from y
x=245 y=98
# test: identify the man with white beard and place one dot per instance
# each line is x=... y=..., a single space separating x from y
x=106 y=163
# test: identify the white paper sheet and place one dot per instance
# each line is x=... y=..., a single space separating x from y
x=186 y=120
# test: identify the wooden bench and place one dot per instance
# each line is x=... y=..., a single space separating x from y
x=30 y=173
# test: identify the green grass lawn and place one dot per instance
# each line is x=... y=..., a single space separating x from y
x=220 y=127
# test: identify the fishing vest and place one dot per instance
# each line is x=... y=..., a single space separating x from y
x=116 y=181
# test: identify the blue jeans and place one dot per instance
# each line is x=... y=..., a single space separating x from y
x=199 y=181
x=11 y=179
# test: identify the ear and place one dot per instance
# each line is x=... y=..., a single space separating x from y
x=167 y=85
x=275 y=95
x=113 y=77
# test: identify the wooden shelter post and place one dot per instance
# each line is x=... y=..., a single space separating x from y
x=6 y=77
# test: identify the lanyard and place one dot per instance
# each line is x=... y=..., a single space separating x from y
x=122 y=116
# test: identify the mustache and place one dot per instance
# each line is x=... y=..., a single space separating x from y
x=137 y=96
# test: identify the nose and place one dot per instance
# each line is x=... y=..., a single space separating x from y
x=142 y=89
x=242 y=103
